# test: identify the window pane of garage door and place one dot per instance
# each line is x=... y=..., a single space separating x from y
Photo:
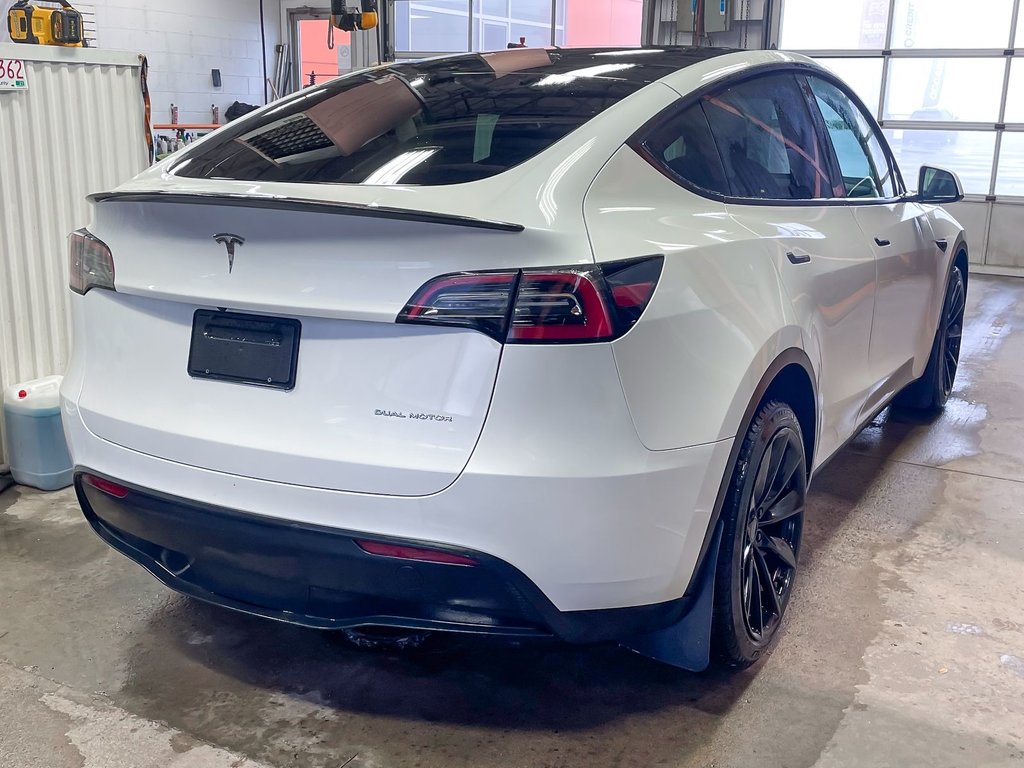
x=535 y=35
x=864 y=76
x=496 y=36
x=532 y=10
x=969 y=153
x=496 y=7
x=1015 y=96
x=433 y=31
x=951 y=24
x=834 y=24
x=443 y=5
x=1010 y=180
x=965 y=90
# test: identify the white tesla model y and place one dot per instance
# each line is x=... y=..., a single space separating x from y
x=538 y=342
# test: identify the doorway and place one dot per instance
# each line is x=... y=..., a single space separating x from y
x=313 y=59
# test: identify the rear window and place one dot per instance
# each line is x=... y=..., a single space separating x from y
x=430 y=123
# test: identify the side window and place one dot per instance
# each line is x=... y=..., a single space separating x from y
x=867 y=172
x=767 y=140
x=684 y=145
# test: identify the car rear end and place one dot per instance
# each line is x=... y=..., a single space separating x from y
x=348 y=362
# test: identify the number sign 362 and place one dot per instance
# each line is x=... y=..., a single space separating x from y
x=12 y=75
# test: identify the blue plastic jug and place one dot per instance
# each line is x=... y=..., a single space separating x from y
x=36 y=447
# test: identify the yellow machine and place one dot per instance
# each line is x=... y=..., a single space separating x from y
x=34 y=23
x=350 y=16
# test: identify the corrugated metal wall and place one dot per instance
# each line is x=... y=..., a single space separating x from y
x=80 y=128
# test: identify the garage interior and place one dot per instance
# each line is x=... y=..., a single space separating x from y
x=904 y=642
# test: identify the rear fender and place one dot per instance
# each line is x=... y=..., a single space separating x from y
x=687 y=643
x=750 y=401
x=720 y=315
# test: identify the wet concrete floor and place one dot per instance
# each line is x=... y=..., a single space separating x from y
x=903 y=646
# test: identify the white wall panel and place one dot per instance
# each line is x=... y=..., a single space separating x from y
x=973 y=217
x=184 y=40
x=1005 y=237
x=78 y=129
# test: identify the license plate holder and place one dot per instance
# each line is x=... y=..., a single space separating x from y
x=244 y=349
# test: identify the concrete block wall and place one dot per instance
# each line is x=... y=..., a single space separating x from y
x=184 y=40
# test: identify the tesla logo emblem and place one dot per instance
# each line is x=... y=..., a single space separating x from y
x=230 y=242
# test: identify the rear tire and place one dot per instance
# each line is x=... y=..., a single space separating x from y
x=763 y=515
x=930 y=392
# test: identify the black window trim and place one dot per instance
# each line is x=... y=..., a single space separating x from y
x=826 y=137
x=637 y=141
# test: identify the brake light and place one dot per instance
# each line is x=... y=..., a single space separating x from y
x=569 y=305
x=107 y=486
x=91 y=264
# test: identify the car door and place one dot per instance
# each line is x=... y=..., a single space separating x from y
x=783 y=189
x=896 y=230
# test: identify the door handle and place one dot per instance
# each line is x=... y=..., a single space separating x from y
x=798 y=258
x=881 y=243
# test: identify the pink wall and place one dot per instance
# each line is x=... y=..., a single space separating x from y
x=603 y=22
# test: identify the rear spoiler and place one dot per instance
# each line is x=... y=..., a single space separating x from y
x=303 y=204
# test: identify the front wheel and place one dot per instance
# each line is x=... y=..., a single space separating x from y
x=763 y=513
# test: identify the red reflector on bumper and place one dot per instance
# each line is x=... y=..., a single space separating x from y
x=108 y=487
x=413 y=553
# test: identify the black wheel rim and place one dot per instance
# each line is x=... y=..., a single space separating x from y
x=771 y=534
x=956 y=301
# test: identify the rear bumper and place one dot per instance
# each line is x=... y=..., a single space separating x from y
x=588 y=542
x=319 y=577
x=559 y=487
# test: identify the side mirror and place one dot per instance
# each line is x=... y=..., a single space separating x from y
x=937 y=186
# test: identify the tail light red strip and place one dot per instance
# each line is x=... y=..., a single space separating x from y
x=413 y=553
x=567 y=305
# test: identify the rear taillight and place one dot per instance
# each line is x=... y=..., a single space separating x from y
x=561 y=306
x=469 y=300
x=570 y=304
x=91 y=264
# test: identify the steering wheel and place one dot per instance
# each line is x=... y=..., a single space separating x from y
x=855 y=186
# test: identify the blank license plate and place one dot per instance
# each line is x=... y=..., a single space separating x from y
x=245 y=349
